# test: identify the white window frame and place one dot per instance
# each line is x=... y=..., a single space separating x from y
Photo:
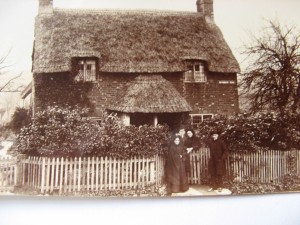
x=201 y=118
x=196 y=73
x=87 y=70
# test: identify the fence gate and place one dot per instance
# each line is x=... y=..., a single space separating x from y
x=8 y=173
x=199 y=166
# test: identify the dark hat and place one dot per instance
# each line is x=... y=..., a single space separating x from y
x=189 y=129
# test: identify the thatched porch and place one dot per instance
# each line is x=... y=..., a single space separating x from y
x=151 y=99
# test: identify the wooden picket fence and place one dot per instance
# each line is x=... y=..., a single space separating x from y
x=8 y=173
x=90 y=174
x=199 y=165
x=260 y=167
x=264 y=166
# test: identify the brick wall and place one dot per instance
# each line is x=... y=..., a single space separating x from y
x=213 y=97
x=210 y=97
x=107 y=87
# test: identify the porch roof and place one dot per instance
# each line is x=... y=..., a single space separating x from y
x=151 y=94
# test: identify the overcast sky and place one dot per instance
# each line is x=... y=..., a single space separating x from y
x=236 y=18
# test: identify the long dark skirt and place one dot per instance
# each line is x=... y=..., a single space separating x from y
x=176 y=178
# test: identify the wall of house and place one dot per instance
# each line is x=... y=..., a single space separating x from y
x=107 y=88
x=210 y=97
x=53 y=89
x=216 y=96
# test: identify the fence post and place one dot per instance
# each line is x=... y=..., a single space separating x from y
x=19 y=169
x=43 y=175
x=152 y=170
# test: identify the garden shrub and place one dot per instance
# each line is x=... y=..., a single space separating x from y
x=5 y=132
x=20 y=118
x=70 y=132
x=246 y=132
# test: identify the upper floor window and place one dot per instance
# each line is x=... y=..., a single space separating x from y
x=86 y=70
x=196 y=72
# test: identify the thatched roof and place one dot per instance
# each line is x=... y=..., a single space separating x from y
x=150 y=94
x=129 y=41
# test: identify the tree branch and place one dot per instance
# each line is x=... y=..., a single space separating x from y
x=9 y=82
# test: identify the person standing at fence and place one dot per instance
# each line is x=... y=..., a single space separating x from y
x=216 y=163
x=191 y=144
x=181 y=133
x=175 y=167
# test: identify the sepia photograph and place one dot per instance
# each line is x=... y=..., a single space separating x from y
x=138 y=99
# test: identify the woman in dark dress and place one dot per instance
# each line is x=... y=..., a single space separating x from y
x=175 y=168
x=191 y=144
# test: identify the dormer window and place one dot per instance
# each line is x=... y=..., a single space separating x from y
x=196 y=72
x=86 y=70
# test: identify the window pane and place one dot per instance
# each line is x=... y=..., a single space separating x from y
x=199 y=74
x=196 y=119
x=80 y=73
x=189 y=76
x=201 y=68
x=86 y=70
x=90 y=72
x=207 y=117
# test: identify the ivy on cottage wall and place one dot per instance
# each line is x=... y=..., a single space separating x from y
x=60 y=90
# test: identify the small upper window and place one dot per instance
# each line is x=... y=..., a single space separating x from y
x=196 y=73
x=86 y=70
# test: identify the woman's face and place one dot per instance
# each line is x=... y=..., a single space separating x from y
x=177 y=141
x=189 y=134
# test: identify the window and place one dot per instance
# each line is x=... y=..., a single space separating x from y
x=86 y=70
x=196 y=73
x=198 y=118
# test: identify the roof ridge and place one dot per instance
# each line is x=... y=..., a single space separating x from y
x=125 y=11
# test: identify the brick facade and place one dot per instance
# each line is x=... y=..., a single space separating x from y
x=219 y=95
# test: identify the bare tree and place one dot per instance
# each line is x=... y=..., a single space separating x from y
x=6 y=81
x=272 y=78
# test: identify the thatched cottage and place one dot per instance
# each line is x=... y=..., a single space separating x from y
x=148 y=66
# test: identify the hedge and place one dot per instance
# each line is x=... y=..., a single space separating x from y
x=246 y=132
x=70 y=132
